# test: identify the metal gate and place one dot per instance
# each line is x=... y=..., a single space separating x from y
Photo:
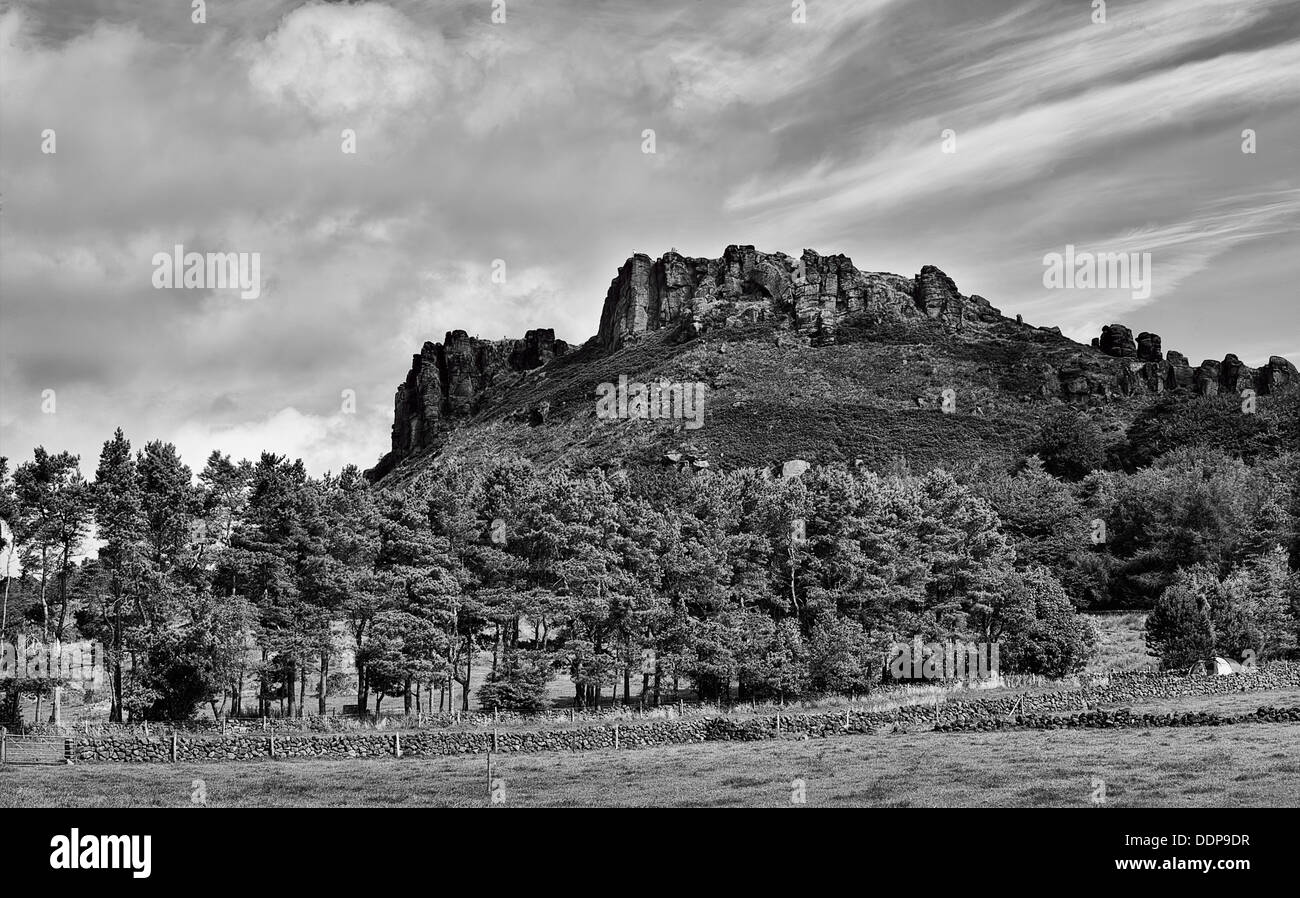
x=35 y=749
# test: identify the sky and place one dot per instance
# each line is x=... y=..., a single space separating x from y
x=523 y=141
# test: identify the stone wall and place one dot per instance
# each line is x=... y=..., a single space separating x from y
x=1046 y=710
x=1123 y=718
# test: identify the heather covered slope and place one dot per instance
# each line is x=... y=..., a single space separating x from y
x=765 y=404
x=811 y=359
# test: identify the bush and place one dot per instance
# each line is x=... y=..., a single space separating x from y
x=517 y=684
x=1178 y=628
x=841 y=657
x=1041 y=633
x=1070 y=444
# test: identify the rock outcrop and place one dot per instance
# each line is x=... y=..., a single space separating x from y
x=447 y=379
x=810 y=299
x=1117 y=340
x=1158 y=373
x=812 y=295
x=1148 y=347
x=1276 y=374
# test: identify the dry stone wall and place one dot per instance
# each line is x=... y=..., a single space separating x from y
x=1064 y=709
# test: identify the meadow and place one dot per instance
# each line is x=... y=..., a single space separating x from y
x=1244 y=766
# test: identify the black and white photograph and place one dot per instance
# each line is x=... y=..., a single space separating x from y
x=868 y=404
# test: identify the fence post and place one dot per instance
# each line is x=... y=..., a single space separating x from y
x=494 y=740
x=778 y=723
x=4 y=734
x=397 y=745
x=615 y=736
x=846 y=718
x=173 y=746
x=273 y=745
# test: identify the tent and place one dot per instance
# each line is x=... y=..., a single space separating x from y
x=1219 y=667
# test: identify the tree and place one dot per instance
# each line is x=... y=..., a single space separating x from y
x=1193 y=507
x=8 y=517
x=1267 y=588
x=842 y=658
x=1047 y=525
x=1035 y=626
x=168 y=502
x=772 y=658
x=1070 y=444
x=52 y=517
x=1178 y=629
x=120 y=526
x=518 y=683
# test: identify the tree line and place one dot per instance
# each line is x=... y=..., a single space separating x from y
x=736 y=585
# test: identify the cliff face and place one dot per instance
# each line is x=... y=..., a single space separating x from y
x=813 y=298
x=446 y=380
x=811 y=295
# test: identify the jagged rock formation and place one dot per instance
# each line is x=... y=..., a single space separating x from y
x=1117 y=340
x=446 y=379
x=1148 y=347
x=1159 y=374
x=1276 y=374
x=812 y=295
x=809 y=300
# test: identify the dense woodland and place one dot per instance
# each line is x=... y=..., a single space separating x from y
x=206 y=588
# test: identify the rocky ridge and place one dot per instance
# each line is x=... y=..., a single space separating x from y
x=814 y=299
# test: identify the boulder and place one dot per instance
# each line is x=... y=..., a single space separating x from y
x=1276 y=374
x=793 y=468
x=1117 y=340
x=1148 y=347
x=1206 y=379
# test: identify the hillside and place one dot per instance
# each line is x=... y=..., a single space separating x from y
x=804 y=358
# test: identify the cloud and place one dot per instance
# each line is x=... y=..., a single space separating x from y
x=327 y=442
x=1022 y=146
x=334 y=61
x=522 y=142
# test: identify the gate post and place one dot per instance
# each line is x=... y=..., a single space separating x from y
x=4 y=734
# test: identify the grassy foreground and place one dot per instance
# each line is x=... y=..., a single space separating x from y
x=1245 y=766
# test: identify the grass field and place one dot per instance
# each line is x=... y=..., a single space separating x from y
x=1121 y=645
x=1245 y=766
